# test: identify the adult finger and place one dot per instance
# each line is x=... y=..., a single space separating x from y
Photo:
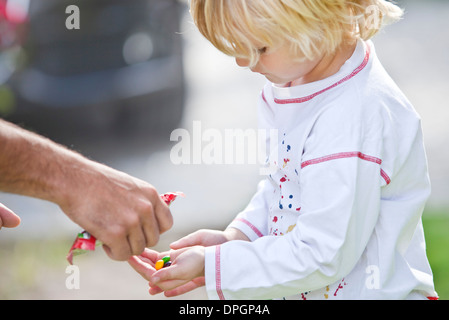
x=137 y=239
x=8 y=218
x=119 y=250
x=150 y=256
x=163 y=215
x=150 y=226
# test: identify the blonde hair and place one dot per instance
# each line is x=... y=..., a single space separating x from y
x=240 y=28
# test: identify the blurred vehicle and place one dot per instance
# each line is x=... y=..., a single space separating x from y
x=121 y=69
x=13 y=18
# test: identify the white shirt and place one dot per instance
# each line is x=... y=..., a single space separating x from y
x=340 y=216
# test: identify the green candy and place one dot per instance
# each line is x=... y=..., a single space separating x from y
x=166 y=259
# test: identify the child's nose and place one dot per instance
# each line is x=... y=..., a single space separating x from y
x=241 y=62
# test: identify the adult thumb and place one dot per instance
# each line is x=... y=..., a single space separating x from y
x=8 y=218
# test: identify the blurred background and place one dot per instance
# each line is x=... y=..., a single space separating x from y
x=115 y=89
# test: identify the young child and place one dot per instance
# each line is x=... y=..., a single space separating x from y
x=340 y=216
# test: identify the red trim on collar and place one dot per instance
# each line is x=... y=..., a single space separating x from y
x=345 y=79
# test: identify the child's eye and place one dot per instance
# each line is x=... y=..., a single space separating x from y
x=262 y=50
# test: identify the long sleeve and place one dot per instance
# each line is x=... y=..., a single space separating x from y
x=252 y=221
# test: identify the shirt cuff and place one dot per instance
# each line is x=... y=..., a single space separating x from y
x=251 y=231
x=212 y=273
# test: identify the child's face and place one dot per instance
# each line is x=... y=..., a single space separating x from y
x=280 y=66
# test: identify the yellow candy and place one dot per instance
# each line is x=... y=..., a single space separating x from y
x=159 y=264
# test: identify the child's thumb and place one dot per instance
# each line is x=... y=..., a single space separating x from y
x=187 y=241
x=167 y=278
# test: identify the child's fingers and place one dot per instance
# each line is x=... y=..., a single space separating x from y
x=154 y=290
x=187 y=265
x=142 y=267
x=204 y=237
x=168 y=278
x=170 y=284
x=165 y=274
x=144 y=264
x=190 y=240
x=192 y=285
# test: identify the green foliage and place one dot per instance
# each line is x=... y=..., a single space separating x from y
x=436 y=228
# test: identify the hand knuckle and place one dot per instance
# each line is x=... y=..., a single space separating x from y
x=153 y=240
x=146 y=207
x=152 y=193
x=133 y=221
x=118 y=232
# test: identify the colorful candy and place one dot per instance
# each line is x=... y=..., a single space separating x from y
x=163 y=263
x=167 y=264
x=86 y=242
x=159 y=265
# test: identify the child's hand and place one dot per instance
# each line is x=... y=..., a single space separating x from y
x=187 y=270
x=144 y=263
x=185 y=273
x=208 y=238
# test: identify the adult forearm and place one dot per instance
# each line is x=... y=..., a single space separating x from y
x=34 y=166
x=123 y=212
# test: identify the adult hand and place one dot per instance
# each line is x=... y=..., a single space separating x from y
x=123 y=212
x=8 y=218
x=126 y=214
